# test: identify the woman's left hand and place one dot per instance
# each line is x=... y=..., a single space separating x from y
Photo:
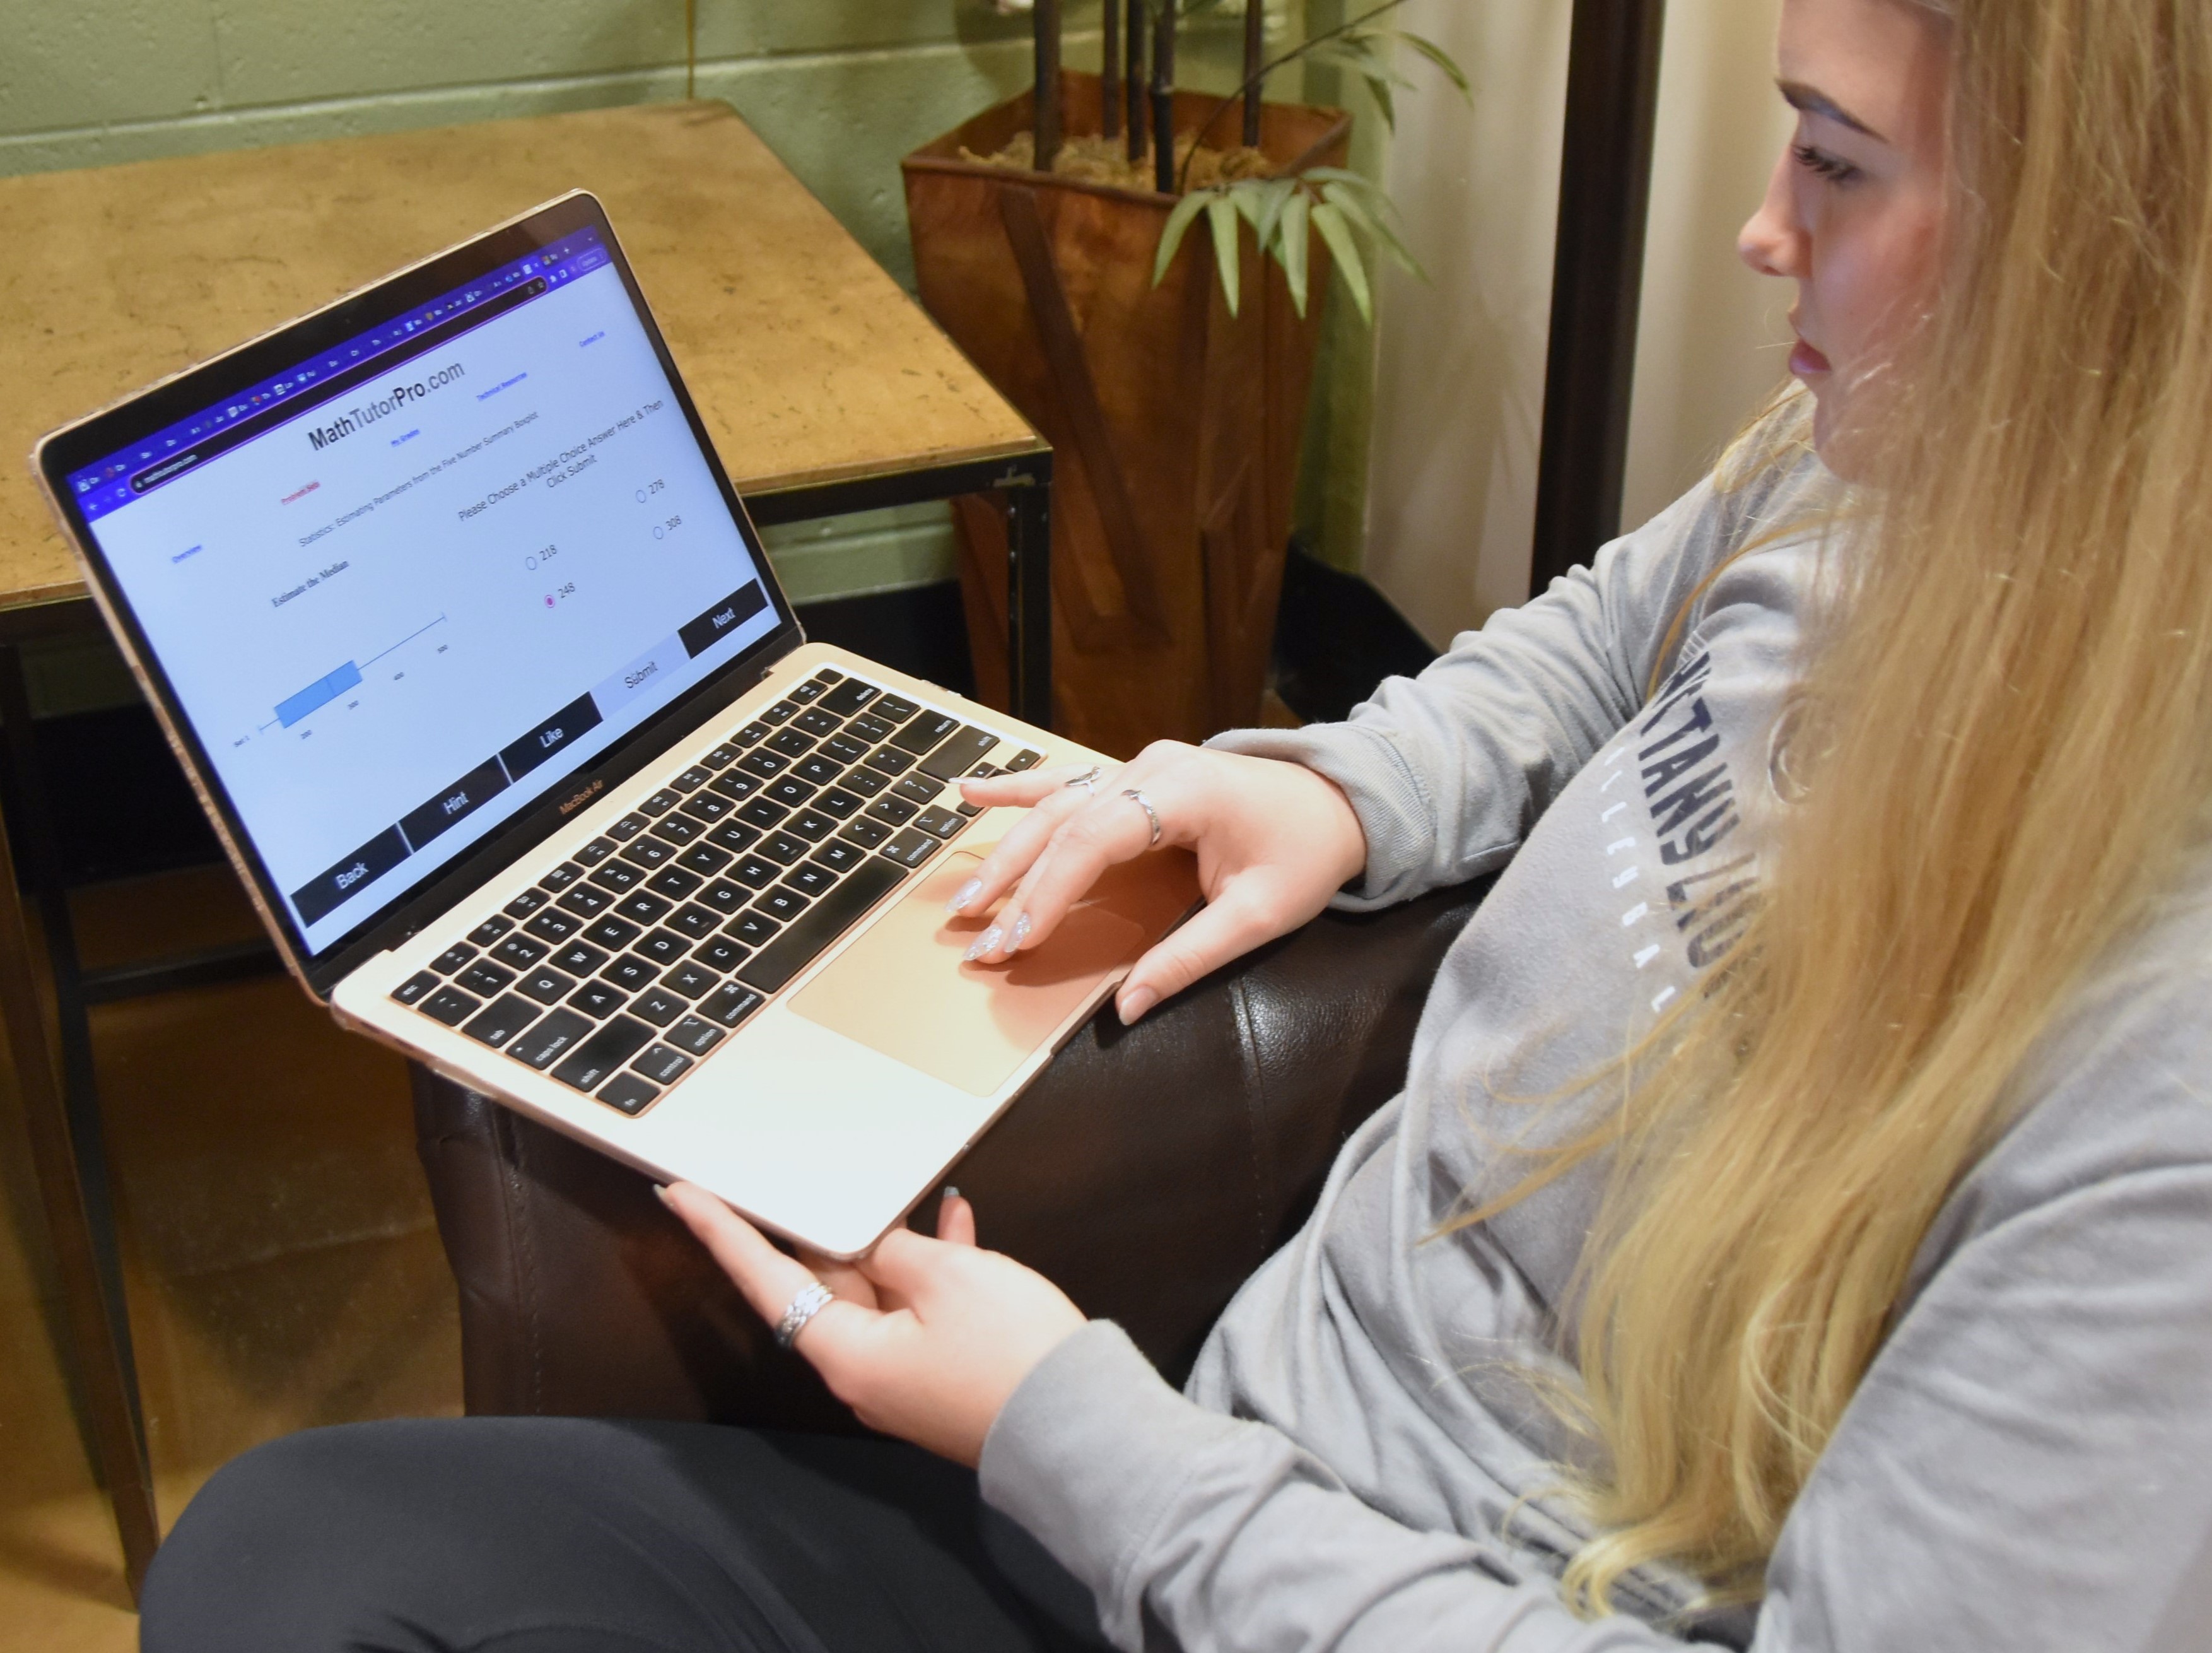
x=925 y=1339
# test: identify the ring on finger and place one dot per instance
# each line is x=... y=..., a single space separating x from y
x=1151 y=813
x=1088 y=780
x=810 y=1301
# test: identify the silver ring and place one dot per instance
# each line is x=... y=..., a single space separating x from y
x=1151 y=813
x=1088 y=780
x=803 y=1308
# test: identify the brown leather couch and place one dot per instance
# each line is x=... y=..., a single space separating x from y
x=1148 y=1172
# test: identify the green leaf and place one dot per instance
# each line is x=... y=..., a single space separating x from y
x=1333 y=230
x=1221 y=219
x=1375 y=227
x=1292 y=229
x=1171 y=237
x=1278 y=191
x=1442 y=60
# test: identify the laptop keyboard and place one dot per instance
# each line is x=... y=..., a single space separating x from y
x=627 y=965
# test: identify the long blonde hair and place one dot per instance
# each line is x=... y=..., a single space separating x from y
x=2012 y=707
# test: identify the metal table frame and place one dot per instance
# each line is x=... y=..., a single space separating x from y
x=61 y=1102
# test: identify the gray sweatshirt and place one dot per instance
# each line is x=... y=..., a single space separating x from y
x=1359 y=1461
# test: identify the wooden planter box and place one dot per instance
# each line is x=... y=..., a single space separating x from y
x=1176 y=426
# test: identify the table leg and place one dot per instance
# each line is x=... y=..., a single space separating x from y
x=68 y=1157
x=1029 y=596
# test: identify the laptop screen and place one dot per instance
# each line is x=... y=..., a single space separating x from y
x=408 y=583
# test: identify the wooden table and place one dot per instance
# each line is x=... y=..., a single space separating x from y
x=824 y=387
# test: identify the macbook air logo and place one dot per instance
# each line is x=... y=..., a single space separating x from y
x=583 y=797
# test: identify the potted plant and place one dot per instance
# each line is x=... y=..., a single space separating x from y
x=1054 y=240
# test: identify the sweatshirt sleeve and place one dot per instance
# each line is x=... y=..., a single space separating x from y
x=1449 y=771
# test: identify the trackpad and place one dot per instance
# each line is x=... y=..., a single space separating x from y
x=901 y=988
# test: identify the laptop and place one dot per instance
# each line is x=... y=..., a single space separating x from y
x=457 y=625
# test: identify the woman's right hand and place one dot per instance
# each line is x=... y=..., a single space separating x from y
x=1274 y=840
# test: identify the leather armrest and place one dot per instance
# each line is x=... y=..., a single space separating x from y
x=1148 y=1171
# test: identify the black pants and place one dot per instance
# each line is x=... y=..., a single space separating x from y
x=556 y=1536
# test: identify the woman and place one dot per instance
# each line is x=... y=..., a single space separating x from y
x=1796 y=1228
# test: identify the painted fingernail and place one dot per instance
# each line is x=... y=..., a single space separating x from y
x=963 y=895
x=982 y=944
x=950 y=1193
x=1136 y=1002
x=1019 y=934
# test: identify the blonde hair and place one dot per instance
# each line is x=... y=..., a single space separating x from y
x=2007 y=748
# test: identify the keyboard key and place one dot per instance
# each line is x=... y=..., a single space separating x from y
x=940 y=823
x=553 y=925
x=586 y=902
x=891 y=761
x=959 y=751
x=779 y=712
x=659 y=1006
x=659 y=803
x=628 y=1093
x=694 y=1036
x=870 y=728
x=598 y=998
x=661 y=1063
x=763 y=763
x=729 y=1004
x=628 y=828
x=618 y=876
x=842 y=750
x=694 y=922
x=734 y=835
x=751 y=735
x=629 y=972
x=818 y=722
x=519 y=952
x=483 y=979
x=911 y=847
x=983 y=771
x=452 y=958
x=761 y=813
x=826 y=675
x=809 y=878
x=721 y=757
x=891 y=808
x=546 y=984
x=704 y=858
x=546 y=1041
x=790 y=791
x=450 y=1006
x=595 y=851
x=649 y=852
x=782 y=849
x=602 y=1053
x=781 y=904
x=865 y=781
x=823 y=923
x=419 y=986
x=810 y=690
x=642 y=907
x=501 y=1022
x=790 y=743
x=707 y=807
x=847 y=696
x=578 y=959
x=864 y=833
x=837 y=803
x=808 y=824
x=682 y=829
x=754 y=873
x=926 y=732
x=837 y=855
x=893 y=710
x=691 y=980
x=1024 y=759
x=753 y=929
x=724 y=897
x=561 y=876
x=721 y=955
x=491 y=929
x=525 y=904
x=663 y=947
x=674 y=882
x=691 y=779
x=919 y=787
x=971 y=810
x=612 y=933
x=737 y=785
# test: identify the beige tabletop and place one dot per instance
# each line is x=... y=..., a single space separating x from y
x=808 y=362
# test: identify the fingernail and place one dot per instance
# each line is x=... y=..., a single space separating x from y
x=660 y=1193
x=1136 y=1002
x=950 y=1193
x=964 y=895
x=1019 y=934
x=982 y=944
